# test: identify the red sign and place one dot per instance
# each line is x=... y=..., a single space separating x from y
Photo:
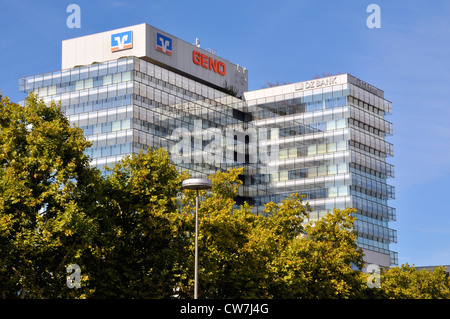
x=208 y=62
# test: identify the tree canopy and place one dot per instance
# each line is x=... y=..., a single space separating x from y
x=46 y=197
x=131 y=231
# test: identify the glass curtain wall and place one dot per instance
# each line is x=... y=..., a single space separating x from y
x=332 y=150
x=328 y=144
x=130 y=104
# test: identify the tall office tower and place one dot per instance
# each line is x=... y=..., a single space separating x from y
x=330 y=135
x=139 y=87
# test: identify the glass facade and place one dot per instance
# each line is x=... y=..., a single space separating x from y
x=327 y=144
x=98 y=99
x=332 y=149
x=129 y=104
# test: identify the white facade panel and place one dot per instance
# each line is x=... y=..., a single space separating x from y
x=152 y=44
x=306 y=87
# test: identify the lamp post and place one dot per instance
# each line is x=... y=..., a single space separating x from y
x=197 y=184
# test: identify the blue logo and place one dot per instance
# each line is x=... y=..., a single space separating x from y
x=163 y=43
x=121 y=41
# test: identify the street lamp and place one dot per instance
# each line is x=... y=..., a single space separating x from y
x=197 y=184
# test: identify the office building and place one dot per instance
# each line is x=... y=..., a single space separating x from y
x=136 y=87
x=332 y=149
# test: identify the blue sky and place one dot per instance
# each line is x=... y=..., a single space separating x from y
x=292 y=41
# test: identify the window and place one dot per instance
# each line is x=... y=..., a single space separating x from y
x=52 y=90
x=340 y=101
x=117 y=78
x=332 y=169
x=116 y=126
x=96 y=129
x=310 y=106
x=106 y=151
x=274 y=177
x=125 y=148
x=88 y=83
x=340 y=123
x=321 y=148
x=312 y=150
x=74 y=75
x=107 y=79
x=329 y=103
x=115 y=149
x=126 y=76
x=342 y=168
x=321 y=171
x=292 y=152
x=106 y=127
x=331 y=125
x=331 y=147
x=343 y=191
x=126 y=124
x=312 y=172
x=96 y=152
x=88 y=130
x=332 y=192
x=79 y=85
x=341 y=146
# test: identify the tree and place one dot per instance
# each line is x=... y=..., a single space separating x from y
x=407 y=282
x=324 y=262
x=131 y=230
x=243 y=255
x=141 y=244
x=46 y=187
x=228 y=267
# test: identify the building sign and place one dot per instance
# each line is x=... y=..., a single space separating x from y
x=163 y=43
x=208 y=63
x=315 y=84
x=121 y=41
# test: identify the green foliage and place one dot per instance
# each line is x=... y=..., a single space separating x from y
x=243 y=255
x=143 y=234
x=45 y=187
x=319 y=264
x=131 y=231
x=407 y=282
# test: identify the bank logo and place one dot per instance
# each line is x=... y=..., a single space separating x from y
x=163 y=43
x=121 y=41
